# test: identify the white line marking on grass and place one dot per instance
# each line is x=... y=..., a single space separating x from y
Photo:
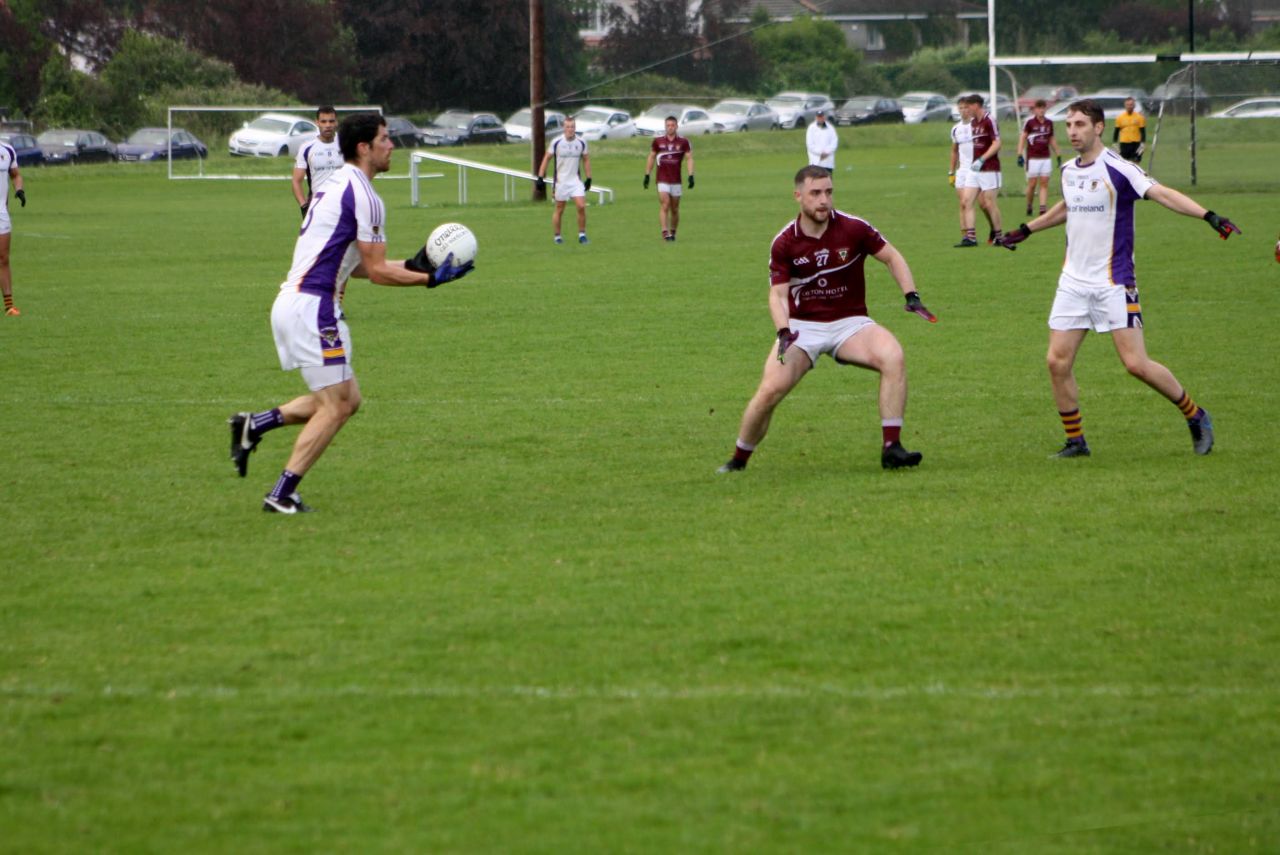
x=636 y=693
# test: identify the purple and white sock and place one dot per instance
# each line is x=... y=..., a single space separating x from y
x=260 y=423
x=286 y=486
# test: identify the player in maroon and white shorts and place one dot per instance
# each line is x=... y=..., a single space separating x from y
x=817 y=298
x=1037 y=142
x=669 y=151
x=986 y=165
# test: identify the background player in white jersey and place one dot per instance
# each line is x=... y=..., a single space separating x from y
x=817 y=299
x=8 y=168
x=343 y=235
x=570 y=152
x=1097 y=289
x=962 y=176
x=318 y=159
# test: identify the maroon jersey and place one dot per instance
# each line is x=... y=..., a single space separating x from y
x=670 y=155
x=985 y=134
x=825 y=274
x=1039 y=132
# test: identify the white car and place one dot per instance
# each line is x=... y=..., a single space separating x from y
x=1112 y=106
x=519 y=125
x=1254 y=108
x=691 y=121
x=733 y=115
x=920 y=107
x=272 y=135
x=797 y=109
x=604 y=123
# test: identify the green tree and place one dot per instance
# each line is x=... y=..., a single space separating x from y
x=807 y=53
x=144 y=66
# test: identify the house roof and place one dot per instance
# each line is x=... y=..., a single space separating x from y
x=863 y=9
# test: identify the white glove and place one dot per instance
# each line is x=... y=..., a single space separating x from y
x=976 y=166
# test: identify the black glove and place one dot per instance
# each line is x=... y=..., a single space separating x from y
x=1059 y=161
x=22 y=197
x=646 y=181
x=304 y=207
x=1221 y=225
x=419 y=263
x=446 y=272
x=541 y=182
x=690 y=180
x=914 y=305
x=1010 y=240
x=1022 y=161
x=586 y=185
x=786 y=338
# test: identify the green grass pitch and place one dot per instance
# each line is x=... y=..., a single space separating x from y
x=529 y=617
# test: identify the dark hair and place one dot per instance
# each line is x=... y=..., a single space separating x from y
x=671 y=119
x=1040 y=102
x=1090 y=108
x=975 y=99
x=812 y=171
x=355 y=129
x=325 y=110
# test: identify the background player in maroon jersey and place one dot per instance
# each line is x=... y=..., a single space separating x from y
x=986 y=165
x=817 y=299
x=1037 y=142
x=669 y=151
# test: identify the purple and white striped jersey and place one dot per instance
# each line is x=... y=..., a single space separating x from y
x=319 y=160
x=345 y=210
x=8 y=160
x=1099 y=200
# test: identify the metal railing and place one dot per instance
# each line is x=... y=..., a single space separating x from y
x=509 y=177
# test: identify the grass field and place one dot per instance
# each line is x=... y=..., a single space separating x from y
x=528 y=616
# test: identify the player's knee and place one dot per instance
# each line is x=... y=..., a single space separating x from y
x=1137 y=366
x=1058 y=363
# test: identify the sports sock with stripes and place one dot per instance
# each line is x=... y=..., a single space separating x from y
x=1073 y=424
x=1189 y=409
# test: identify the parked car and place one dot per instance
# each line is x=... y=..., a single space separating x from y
x=519 y=125
x=272 y=135
x=456 y=127
x=733 y=115
x=604 y=123
x=867 y=110
x=920 y=107
x=403 y=132
x=691 y=121
x=1005 y=108
x=1177 y=98
x=1052 y=93
x=155 y=143
x=1253 y=108
x=1112 y=106
x=1138 y=94
x=797 y=109
x=74 y=146
x=25 y=147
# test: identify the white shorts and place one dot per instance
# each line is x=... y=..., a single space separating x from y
x=670 y=189
x=819 y=337
x=1101 y=308
x=1038 y=167
x=566 y=190
x=5 y=225
x=966 y=177
x=310 y=336
x=988 y=181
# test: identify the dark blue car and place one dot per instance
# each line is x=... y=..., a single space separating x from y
x=28 y=151
x=153 y=144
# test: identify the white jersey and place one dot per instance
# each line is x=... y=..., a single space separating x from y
x=345 y=210
x=8 y=160
x=1100 y=199
x=319 y=160
x=568 y=154
x=962 y=137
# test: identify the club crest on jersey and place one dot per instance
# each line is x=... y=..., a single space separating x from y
x=330 y=336
x=843 y=253
x=1093 y=185
x=822 y=255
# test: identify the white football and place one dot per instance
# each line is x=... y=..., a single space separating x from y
x=451 y=237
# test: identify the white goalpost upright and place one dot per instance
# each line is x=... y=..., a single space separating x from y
x=248 y=108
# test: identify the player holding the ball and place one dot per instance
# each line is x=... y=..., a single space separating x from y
x=343 y=235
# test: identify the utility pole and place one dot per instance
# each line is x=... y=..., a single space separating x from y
x=537 y=92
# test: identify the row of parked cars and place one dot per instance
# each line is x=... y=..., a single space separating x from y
x=61 y=146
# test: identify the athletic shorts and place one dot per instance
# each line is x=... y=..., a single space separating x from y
x=309 y=335
x=566 y=190
x=819 y=337
x=1129 y=151
x=1039 y=167
x=670 y=189
x=988 y=181
x=5 y=225
x=966 y=177
x=1101 y=308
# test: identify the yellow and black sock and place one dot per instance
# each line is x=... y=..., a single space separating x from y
x=1188 y=407
x=1073 y=424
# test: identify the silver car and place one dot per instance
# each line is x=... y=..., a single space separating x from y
x=519 y=124
x=272 y=135
x=690 y=120
x=797 y=109
x=732 y=115
x=920 y=107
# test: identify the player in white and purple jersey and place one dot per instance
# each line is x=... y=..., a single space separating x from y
x=1097 y=288
x=817 y=299
x=573 y=165
x=344 y=234
x=1037 y=143
x=318 y=159
x=9 y=169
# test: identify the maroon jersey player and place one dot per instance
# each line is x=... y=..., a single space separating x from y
x=817 y=299
x=986 y=166
x=669 y=151
x=1037 y=142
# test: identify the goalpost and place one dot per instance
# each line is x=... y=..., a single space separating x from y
x=303 y=111
x=1190 y=58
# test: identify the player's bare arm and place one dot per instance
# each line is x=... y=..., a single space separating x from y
x=298 y=193
x=375 y=267
x=779 y=309
x=586 y=166
x=898 y=268
x=1022 y=143
x=1181 y=203
x=542 y=167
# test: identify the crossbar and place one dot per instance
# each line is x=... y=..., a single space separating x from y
x=510 y=177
